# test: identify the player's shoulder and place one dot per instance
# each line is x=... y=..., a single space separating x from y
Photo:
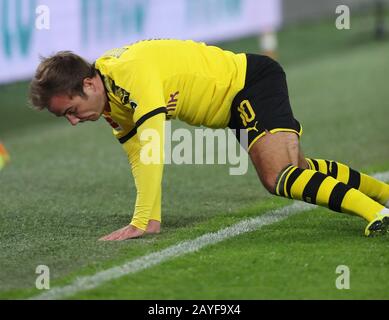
x=168 y=42
x=126 y=56
x=143 y=50
x=155 y=48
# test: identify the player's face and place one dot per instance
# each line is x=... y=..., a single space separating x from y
x=80 y=109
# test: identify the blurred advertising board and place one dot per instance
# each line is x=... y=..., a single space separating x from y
x=30 y=28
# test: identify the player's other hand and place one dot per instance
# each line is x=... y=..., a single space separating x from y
x=128 y=232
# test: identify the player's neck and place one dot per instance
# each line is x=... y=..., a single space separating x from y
x=107 y=107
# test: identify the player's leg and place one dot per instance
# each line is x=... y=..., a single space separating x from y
x=276 y=159
x=262 y=113
x=370 y=186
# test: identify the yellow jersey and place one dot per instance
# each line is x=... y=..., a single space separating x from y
x=191 y=81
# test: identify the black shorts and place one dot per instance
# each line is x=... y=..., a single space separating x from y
x=263 y=104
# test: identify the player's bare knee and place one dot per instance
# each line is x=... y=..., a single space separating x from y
x=303 y=164
x=269 y=181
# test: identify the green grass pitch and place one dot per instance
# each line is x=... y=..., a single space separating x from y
x=67 y=186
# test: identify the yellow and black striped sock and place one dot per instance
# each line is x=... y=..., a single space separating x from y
x=315 y=187
x=375 y=189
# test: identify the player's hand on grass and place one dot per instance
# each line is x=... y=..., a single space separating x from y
x=128 y=232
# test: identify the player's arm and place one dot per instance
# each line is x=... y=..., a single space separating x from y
x=145 y=155
x=140 y=81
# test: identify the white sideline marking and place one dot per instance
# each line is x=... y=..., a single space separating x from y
x=182 y=248
x=383 y=176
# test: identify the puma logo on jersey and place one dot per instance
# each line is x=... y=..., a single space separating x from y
x=253 y=128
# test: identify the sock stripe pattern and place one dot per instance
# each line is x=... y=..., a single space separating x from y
x=318 y=188
x=281 y=185
x=309 y=184
x=335 y=186
x=355 y=179
x=337 y=196
x=335 y=170
x=291 y=180
x=312 y=187
x=328 y=167
x=315 y=164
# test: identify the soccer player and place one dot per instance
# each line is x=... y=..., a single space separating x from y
x=138 y=87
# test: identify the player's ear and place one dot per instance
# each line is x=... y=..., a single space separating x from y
x=88 y=84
